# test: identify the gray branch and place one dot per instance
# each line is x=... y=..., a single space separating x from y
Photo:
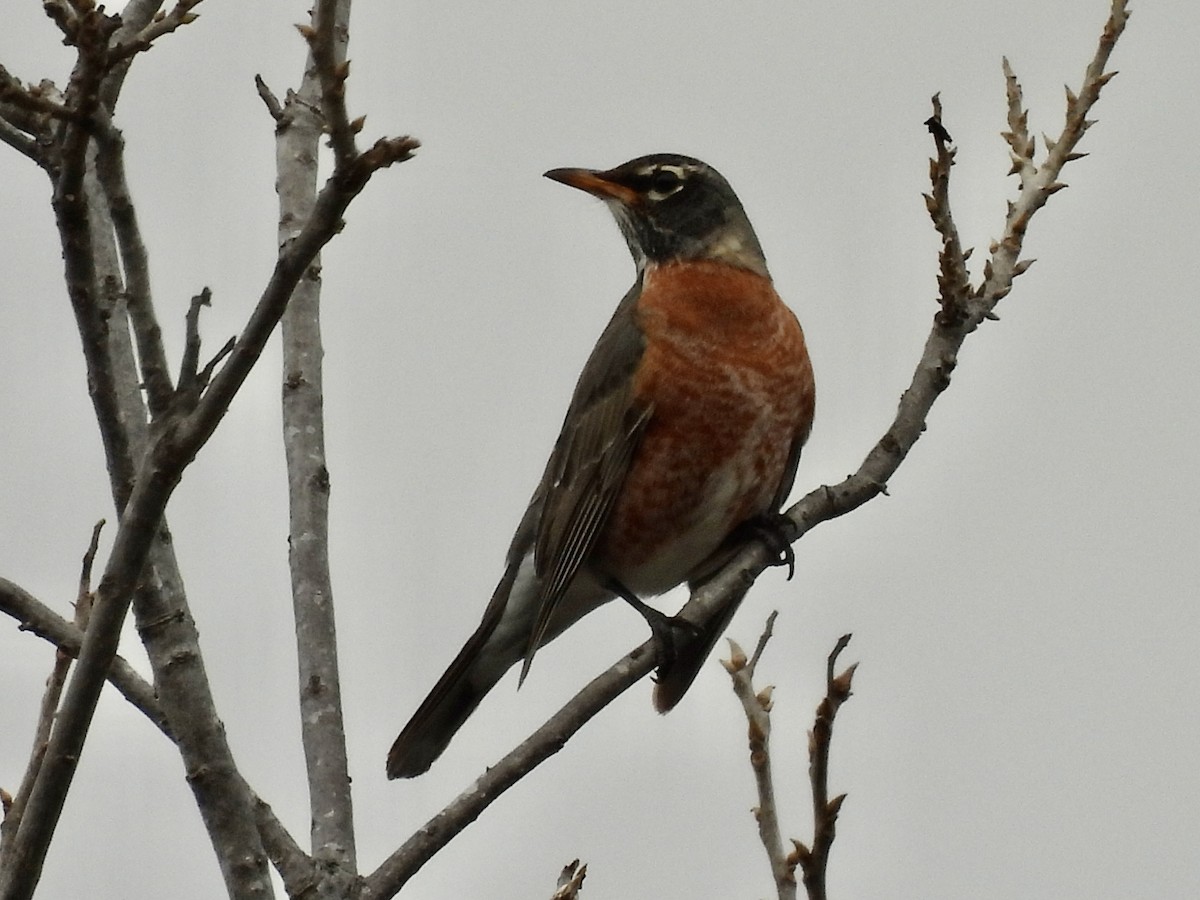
x=322 y=726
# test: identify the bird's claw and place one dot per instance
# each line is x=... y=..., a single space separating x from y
x=668 y=633
x=773 y=531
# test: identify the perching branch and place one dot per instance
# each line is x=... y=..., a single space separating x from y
x=551 y=737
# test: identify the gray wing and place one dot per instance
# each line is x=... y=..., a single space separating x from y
x=600 y=434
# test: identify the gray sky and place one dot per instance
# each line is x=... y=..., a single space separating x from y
x=1024 y=605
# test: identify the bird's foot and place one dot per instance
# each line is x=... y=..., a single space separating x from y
x=773 y=530
x=669 y=633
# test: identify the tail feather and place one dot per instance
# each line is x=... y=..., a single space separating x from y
x=492 y=650
x=437 y=720
x=690 y=655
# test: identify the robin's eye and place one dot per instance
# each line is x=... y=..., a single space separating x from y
x=663 y=182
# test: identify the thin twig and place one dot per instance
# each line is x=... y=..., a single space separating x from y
x=954 y=284
x=570 y=881
x=756 y=705
x=269 y=99
x=327 y=43
x=50 y=697
x=39 y=619
x=814 y=862
x=181 y=14
x=189 y=363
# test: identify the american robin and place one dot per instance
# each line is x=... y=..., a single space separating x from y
x=685 y=425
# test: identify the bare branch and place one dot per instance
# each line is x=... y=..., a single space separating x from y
x=1039 y=182
x=298 y=135
x=327 y=39
x=551 y=737
x=161 y=24
x=37 y=618
x=813 y=862
x=757 y=708
x=269 y=98
x=190 y=363
x=301 y=875
x=110 y=169
x=954 y=285
x=570 y=881
x=19 y=141
x=50 y=698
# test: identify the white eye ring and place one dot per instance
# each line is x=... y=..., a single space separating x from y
x=663 y=187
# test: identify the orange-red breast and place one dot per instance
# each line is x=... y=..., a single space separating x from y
x=686 y=423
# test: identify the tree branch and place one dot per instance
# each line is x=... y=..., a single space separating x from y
x=174 y=444
x=757 y=708
x=321 y=720
x=160 y=24
x=551 y=737
x=135 y=264
x=39 y=619
x=50 y=698
x=813 y=862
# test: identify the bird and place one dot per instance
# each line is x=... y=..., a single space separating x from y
x=681 y=441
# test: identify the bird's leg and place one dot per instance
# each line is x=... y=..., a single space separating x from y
x=668 y=632
x=773 y=529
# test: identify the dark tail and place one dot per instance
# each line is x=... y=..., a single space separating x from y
x=690 y=655
x=480 y=664
x=439 y=717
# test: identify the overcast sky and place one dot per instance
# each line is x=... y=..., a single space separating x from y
x=1024 y=605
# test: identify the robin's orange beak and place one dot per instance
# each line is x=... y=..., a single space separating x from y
x=598 y=184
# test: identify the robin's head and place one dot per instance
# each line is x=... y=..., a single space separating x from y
x=673 y=207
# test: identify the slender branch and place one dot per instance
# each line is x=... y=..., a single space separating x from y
x=181 y=14
x=327 y=41
x=40 y=103
x=18 y=140
x=39 y=619
x=551 y=737
x=757 y=708
x=50 y=698
x=301 y=875
x=189 y=364
x=954 y=284
x=814 y=862
x=135 y=263
x=570 y=881
x=321 y=720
